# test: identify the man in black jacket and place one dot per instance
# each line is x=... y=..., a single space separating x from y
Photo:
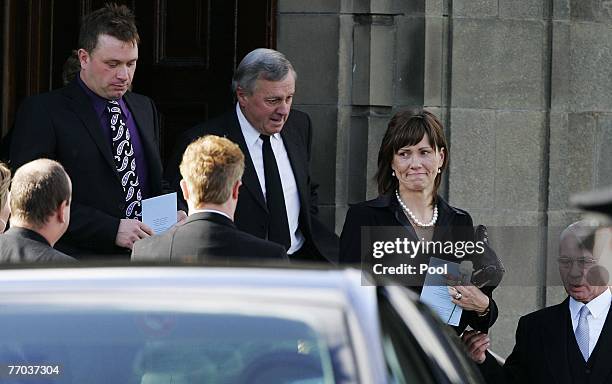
x=106 y=137
x=570 y=342
x=212 y=167
x=278 y=200
x=40 y=206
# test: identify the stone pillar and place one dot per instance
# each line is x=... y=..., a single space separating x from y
x=358 y=61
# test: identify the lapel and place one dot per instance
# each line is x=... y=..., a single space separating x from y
x=602 y=369
x=249 y=178
x=391 y=201
x=80 y=104
x=296 y=152
x=146 y=125
x=446 y=216
x=554 y=342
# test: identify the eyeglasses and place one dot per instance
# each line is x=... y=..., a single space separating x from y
x=582 y=262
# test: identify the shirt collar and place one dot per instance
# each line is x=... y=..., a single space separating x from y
x=209 y=210
x=99 y=103
x=598 y=306
x=251 y=135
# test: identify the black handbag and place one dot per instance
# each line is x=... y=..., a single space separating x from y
x=488 y=268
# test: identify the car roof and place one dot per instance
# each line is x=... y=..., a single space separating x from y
x=196 y=288
x=330 y=283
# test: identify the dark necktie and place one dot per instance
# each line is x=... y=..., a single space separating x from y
x=278 y=229
x=125 y=161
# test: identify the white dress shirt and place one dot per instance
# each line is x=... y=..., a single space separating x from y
x=210 y=210
x=599 y=308
x=290 y=192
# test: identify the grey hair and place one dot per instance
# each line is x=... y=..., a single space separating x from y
x=263 y=63
x=583 y=231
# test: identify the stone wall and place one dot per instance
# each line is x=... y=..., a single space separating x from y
x=523 y=86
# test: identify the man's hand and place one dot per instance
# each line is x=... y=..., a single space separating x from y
x=130 y=231
x=477 y=344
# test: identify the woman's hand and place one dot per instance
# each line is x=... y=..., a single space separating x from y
x=469 y=298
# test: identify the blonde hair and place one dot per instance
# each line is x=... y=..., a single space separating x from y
x=211 y=166
x=5 y=183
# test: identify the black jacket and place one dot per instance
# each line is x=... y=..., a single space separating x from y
x=252 y=213
x=21 y=245
x=541 y=353
x=453 y=224
x=62 y=125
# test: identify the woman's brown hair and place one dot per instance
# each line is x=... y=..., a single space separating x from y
x=408 y=128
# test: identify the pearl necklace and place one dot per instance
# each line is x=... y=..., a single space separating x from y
x=413 y=216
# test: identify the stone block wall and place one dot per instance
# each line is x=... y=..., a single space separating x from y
x=524 y=88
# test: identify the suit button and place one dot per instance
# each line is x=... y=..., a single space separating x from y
x=588 y=371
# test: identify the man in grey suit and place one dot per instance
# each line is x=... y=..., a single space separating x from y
x=40 y=208
x=212 y=167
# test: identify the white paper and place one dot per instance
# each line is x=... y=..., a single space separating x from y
x=159 y=212
x=435 y=292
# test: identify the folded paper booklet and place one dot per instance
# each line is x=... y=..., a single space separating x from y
x=435 y=291
x=159 y=212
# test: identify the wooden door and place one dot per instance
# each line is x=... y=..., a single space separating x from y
x=187 y=54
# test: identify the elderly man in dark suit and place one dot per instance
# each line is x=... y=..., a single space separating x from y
x=211 y=167
x=569 y=342
x=599 y=204
x=106 y=138
x=40 y=206
x=278 y=201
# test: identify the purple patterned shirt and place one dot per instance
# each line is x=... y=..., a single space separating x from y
x=99 y=104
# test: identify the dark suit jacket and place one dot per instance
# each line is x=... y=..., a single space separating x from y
x=252 y=213
x=62 y=125
x=540 y=354
x=453 y=224
x=21 y=245
x=205 y=236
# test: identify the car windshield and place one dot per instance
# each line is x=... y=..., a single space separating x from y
x=121 y=346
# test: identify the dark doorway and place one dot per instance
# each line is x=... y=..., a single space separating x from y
x=188 y=51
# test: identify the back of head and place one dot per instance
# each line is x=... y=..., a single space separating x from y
x=264 y=63
x=211 y=166
x=39 y=188
x=113 y=20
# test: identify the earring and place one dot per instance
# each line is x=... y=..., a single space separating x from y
x=439 y=170
x=393 y=173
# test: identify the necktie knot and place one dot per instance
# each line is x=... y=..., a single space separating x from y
x=112 y=106
x=584 y=312
x=265 y=138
